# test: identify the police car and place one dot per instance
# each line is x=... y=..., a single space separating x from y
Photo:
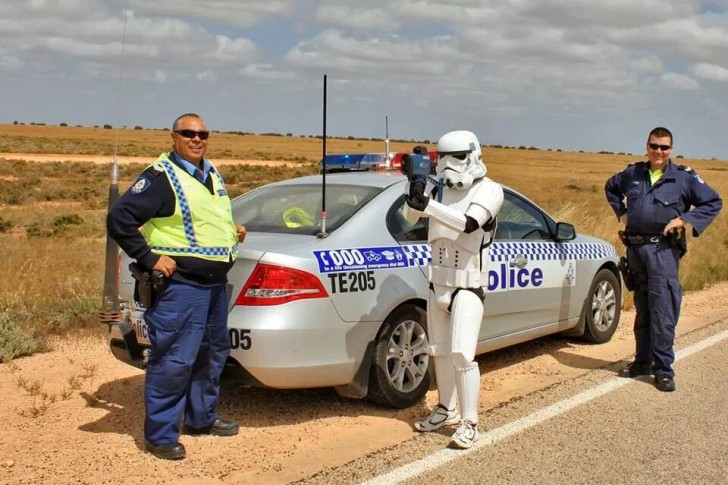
x=343 y=304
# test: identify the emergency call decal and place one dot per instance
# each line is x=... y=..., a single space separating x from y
x=352 y=259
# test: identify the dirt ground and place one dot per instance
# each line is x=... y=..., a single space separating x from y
x=75 y=414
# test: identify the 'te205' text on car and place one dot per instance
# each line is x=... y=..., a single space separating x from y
x=348 y=309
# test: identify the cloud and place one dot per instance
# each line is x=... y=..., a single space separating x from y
x=710 y=72
x=225 y=12
x=678 y=81
x=357 y=18
x=11 y=64
x=511 y=68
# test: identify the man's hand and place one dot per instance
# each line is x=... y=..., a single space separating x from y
x=165 y=265
x=406 y=166
x=418 y=201
x=242 y=232
x=674 y=224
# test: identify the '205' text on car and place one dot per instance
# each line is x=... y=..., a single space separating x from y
x=346 y=309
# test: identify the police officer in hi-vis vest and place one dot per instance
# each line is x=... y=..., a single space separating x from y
x=188 y=234
x=661 y=200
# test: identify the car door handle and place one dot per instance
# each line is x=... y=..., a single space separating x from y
x=519 y=261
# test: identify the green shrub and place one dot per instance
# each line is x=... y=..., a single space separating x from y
x=5 y=226
x=15 y=342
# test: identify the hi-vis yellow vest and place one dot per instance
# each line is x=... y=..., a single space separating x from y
x=202 y=224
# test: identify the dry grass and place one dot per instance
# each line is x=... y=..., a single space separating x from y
x=99 y=141
x=52 y=222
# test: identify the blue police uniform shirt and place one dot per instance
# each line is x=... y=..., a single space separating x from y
x=193 y=169
x=680 y=192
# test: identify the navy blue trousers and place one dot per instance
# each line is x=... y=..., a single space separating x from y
x=190 y=344
x=657 y=300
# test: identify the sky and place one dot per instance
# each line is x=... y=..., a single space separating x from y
x=554 y=74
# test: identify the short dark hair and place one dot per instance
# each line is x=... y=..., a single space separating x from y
x=660 y=132
x=175 y=125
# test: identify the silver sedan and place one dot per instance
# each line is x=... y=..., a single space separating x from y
x=343 y=303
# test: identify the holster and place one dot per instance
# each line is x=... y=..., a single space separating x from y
x=679 y=239
x=627 y=275
x=148 y=286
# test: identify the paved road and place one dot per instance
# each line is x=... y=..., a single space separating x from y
x=597 y=429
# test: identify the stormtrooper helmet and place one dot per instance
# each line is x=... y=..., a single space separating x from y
x=460 y=159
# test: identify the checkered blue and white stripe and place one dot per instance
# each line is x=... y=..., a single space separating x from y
x=419 y=254
x=546 y=251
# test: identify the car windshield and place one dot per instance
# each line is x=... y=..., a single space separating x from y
x=296 y=208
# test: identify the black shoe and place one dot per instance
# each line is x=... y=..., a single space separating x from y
x=168 y=451
x=665 y=383
x=635 y=370
x=220 y=427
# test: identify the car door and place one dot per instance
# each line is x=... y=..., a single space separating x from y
x=531 y=277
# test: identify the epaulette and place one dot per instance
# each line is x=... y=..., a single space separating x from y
x=155 y=170
x=685 y=168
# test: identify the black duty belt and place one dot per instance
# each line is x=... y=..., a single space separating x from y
x=645 y=238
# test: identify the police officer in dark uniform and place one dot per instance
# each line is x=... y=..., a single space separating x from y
x=662 y=198
x=177 y=219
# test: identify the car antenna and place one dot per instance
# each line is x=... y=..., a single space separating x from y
x=323 y=232
x=110 y=311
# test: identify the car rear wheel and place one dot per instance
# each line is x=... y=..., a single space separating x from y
x=602 y=307
x=399 y=375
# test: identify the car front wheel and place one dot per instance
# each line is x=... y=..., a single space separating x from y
x=602 y=307
x=400 y=375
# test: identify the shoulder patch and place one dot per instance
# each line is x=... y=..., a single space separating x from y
x=692 y=172
x=141 y=184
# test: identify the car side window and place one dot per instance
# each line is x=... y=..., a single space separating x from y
x=519 y=219
x=403 y=230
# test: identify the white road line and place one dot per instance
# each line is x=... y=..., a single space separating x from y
x=498 y=434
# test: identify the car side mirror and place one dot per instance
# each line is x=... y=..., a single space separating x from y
x=565 y=231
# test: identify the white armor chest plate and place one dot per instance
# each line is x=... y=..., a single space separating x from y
x=459 y=200
x=456 y=258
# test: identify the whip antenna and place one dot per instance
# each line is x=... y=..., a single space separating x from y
x=110 y=313
x=323 y=173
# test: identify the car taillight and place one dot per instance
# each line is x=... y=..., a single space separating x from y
x=274 y=285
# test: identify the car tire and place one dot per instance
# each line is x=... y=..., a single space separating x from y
x=602 y=307
x=400 y=374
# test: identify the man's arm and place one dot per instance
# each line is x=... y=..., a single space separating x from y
x=706 y=204
x=149 y=196
x=615 y=196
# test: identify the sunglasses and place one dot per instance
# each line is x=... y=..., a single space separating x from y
x=655 y=146
x=204 y=135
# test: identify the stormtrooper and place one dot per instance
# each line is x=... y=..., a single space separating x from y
x=462 y=208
